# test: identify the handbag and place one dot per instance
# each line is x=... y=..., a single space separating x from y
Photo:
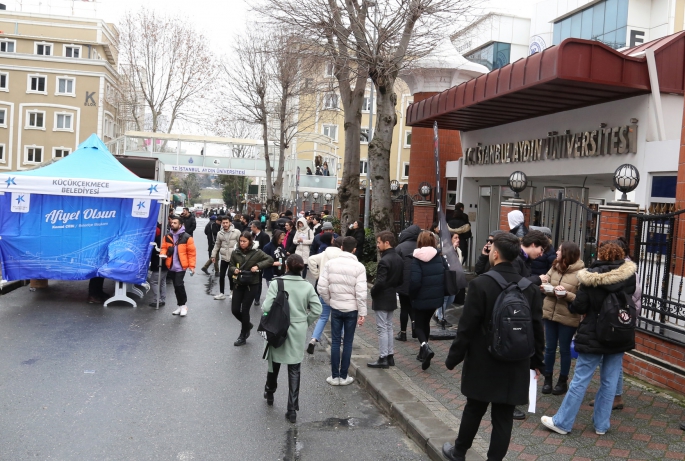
x=451 y=288
x=245 y=276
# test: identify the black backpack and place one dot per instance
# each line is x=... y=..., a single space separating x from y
x=511 y=336
x=277 y=321
x=616 y=320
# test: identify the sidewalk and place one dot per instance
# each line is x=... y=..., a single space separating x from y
x=428 y=405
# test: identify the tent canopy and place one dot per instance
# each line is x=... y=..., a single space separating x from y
x=90 y=171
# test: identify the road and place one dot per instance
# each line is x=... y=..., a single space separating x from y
x=84 y=382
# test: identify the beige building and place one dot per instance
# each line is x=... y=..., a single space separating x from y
x=321 y=128
x=57 y=85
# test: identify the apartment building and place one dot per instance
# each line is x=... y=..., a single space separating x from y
x=321 y=127
x=58 y=83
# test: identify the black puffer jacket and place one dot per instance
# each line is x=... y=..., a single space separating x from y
x=602 y=278
x=543 y=264
x=405 y=249
x=427 y=283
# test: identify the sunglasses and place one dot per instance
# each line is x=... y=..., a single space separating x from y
x=491 y=240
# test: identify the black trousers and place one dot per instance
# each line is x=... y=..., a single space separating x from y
x=179 y=288
x=95 y=287
x=502 y=417
x=422 y=324
x=406 y=312
x=243 y=297
x=258 y=291
x=293 y=384
x=222 y=277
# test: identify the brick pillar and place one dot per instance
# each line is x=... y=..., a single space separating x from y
x=613 y=221
x=421 y=157
x=423 y=214
x=507 y=207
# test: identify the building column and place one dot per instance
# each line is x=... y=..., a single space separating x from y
x=613 y=221
x=506 y=207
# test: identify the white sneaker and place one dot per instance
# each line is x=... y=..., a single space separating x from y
x=176 y=312
x=548 y=422
x=220 y=296
x=184 y=311
x=600 y=432
x=347 y=381
x=333 y=381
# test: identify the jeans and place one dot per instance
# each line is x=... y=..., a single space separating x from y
x=323 y=319
x=502 y=417
x=158 y=290
x=179 y=288
x=619 y=385
x=555 y=333
x=447 y=303
x=384 y=329
x=586 y=364
x=342 y=323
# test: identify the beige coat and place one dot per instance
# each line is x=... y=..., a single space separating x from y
x=555 y=308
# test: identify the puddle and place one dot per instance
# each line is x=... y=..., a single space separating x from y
x=348 y=423
x=211 y=282
x=293 y=447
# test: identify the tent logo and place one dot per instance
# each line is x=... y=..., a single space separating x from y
x=141 y=208
x=10 y=182
x=190 y=160
x=20 y=203
x=141 y=205
x=20 y=199
x=153 y=188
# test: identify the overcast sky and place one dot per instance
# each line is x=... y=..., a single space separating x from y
x=219 y=20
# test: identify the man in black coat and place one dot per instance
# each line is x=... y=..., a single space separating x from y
x=533 y=246
x=263 y=239
x=404 y=250
x=211 y=229
x=459 y=224
x=383 y=295
x=188 y=221
x=486 y=380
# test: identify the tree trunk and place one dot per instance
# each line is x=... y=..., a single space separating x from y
x=379 y=154
x=278 y=183
x=348 y=192
x=267 y=159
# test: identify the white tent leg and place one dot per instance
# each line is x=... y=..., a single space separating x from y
x=120 y=294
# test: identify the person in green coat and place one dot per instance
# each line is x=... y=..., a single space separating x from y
x=305 y=309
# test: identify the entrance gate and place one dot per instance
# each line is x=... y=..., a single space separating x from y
x=570 y=221
x=658 y=252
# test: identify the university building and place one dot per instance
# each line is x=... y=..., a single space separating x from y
x=58 y=80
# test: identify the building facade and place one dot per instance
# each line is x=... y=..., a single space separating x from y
x=58 y=85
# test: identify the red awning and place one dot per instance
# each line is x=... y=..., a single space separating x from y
x=573 y=74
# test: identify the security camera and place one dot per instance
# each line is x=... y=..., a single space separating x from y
x=613 y=189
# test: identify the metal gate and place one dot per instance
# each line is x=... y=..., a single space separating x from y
x=402 y=213
x=570 y=221
x=657 y=249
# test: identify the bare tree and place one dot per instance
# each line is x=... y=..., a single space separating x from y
x=167 y=66
x=375 y=39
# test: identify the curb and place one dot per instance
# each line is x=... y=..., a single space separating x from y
x=411 y=415
x=11 y=286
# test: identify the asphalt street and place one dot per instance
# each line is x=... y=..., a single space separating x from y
x=79 y=381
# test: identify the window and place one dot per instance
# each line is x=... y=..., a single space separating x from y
x=63 y=122
x=330 y=70
x=604 y=21
x=60 y=152
x=363 y=167
x=7 y=46
x=2 y=153
x=407 y=138
x=72 y=51
x=493 y=56
x=331 y=131
x=4 y=81
x=35 y=119
x=3 y=118
x=366 y=105
x=405 y=170
x=43 y=49
x=364 y=136
x=37 y=84
x=65 y=86
x=33 y=154
x=330 y=101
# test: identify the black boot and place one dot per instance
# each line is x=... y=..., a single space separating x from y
x=240 y=341
x=519 y=415
x=427 y=356
x=401 y=336
x=391 y=360
x=420 y=355
x=293 y=392
x=547 y=387
x=382 y=362
x=562 y=386
x=269 y=394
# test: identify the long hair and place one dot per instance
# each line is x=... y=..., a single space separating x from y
x=570 y=253
x=276 y=236
x=425 y=239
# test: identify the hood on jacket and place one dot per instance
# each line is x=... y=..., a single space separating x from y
x=515 y=218
x=410 y=233
x=608 y=274
x=425 y=254
x=460 y=230
x=304 y=222
x=181 y=230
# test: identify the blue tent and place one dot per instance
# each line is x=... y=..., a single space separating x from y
x=80 y=217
